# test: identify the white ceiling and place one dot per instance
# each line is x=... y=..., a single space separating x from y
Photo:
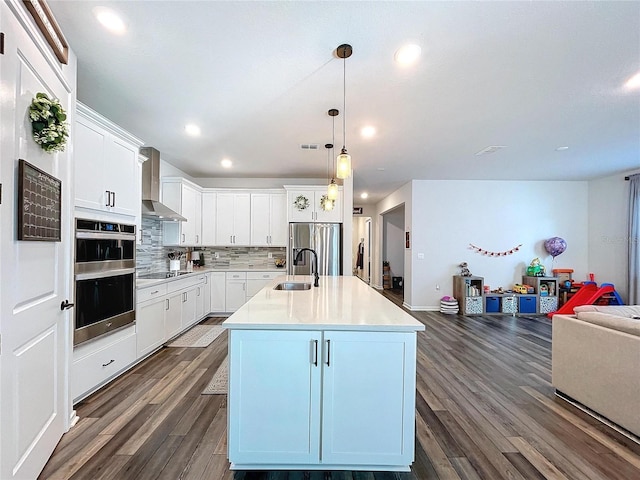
x=259 y=77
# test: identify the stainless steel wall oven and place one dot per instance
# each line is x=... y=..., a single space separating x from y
x=105 y=261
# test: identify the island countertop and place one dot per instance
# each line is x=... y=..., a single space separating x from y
x=339 y=303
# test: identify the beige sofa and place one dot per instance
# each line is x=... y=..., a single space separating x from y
x=596 y=361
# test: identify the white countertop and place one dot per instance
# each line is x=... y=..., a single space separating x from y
x=339 y=303
x=148 y=282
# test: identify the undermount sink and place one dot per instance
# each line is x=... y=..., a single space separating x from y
x=293 y=286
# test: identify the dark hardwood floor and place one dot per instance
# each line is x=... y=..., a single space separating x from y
x=485 y=410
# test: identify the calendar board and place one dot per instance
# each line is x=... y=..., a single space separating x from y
x=39 y=204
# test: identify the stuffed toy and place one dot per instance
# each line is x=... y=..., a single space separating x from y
x=464 y=270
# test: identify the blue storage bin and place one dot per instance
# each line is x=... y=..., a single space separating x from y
x=527 y=304
x=493 y=304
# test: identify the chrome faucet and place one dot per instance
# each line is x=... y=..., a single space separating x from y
x=315 y=263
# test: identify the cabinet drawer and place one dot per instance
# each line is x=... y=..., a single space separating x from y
x=236 y=275
x=263 y=275
x=149 y=293
x=96 y=368
x=183 y=283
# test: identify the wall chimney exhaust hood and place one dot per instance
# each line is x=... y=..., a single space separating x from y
x=151 y=206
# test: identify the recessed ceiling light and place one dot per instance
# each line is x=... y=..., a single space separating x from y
x=408 y=54
x=226 y=163
x=110 y=20
x=364 y=195
x=380 y=169
x=559 y=149
x=633 y=83
x=368 y=131
x=192 y=129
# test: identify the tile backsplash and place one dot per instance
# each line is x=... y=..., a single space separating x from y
x=152 y=256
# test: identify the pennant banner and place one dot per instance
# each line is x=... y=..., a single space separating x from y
x=489 y=253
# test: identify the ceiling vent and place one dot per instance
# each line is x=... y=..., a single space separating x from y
x=490 y=149
x=309 y=146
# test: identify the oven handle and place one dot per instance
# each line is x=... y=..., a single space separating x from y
x=106 y=236
x=105 y=273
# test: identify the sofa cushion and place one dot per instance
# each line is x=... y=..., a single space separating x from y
x=615 y=322
x=628 y=311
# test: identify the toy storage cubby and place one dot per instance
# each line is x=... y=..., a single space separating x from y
x=546 y=293
x=468 y=291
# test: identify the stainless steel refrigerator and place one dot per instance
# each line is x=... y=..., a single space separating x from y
x=325 y=239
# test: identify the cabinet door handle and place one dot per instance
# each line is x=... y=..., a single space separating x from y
x=108 y=196
x=108 y=363
x=328 y=353
x=154 y=292
x=230 y=238
x=198 y=291
x=234 y=239
x=197 y=238
x=167 y=307
x=315 y=353
x=184 y=297
x=113 y=201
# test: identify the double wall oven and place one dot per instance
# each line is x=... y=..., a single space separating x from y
x=105 y=258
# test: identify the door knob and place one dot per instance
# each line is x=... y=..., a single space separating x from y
x=64 y=305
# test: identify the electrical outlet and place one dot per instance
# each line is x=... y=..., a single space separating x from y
x=421 y=256
x=437 y=287
x=216 y=255
x=269 y=255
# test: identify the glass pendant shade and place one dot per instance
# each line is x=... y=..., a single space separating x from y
x=344 y=164
x=332 y=191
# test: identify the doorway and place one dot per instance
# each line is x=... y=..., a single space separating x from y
x=393 y=250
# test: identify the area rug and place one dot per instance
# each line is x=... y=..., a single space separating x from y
x=199 y=336
x=218 y=384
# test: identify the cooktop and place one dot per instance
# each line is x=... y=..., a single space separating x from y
x=161 y=275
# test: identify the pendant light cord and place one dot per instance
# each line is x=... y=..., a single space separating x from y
x=344 y=102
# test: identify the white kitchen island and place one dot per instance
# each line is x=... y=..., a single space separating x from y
x=321 y=379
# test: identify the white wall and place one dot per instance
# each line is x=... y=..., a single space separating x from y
x=444 y=217
x=608 y=231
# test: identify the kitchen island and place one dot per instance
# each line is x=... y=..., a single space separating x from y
x=321 y=379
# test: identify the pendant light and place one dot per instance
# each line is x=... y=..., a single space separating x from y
x=332 y=190
x=343 y=169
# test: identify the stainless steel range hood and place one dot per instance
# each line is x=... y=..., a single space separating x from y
x=151 y=205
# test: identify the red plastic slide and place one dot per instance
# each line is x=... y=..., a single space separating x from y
x=584 y=296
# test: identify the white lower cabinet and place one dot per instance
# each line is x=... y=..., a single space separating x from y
x=98 y=361
x=173 y=315
x=235 y=290
x=256 y=281
x=189 y=307
x=217 y=291
x=149 y=326
x=347 y=399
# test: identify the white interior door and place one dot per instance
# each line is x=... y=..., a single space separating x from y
x=35 y=404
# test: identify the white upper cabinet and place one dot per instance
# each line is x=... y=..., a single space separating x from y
x=233 y=217
x=209 y=201
x=268 y=219
x=107 y=176
x=186 y=199
x=304 y=205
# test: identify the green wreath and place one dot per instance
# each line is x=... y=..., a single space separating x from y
x=301 y=202
x=50 y=130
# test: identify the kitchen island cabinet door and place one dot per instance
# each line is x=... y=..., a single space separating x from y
x=368 y=398
x=274 y=394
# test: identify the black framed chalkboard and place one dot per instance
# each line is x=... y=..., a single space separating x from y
x=39 y=204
